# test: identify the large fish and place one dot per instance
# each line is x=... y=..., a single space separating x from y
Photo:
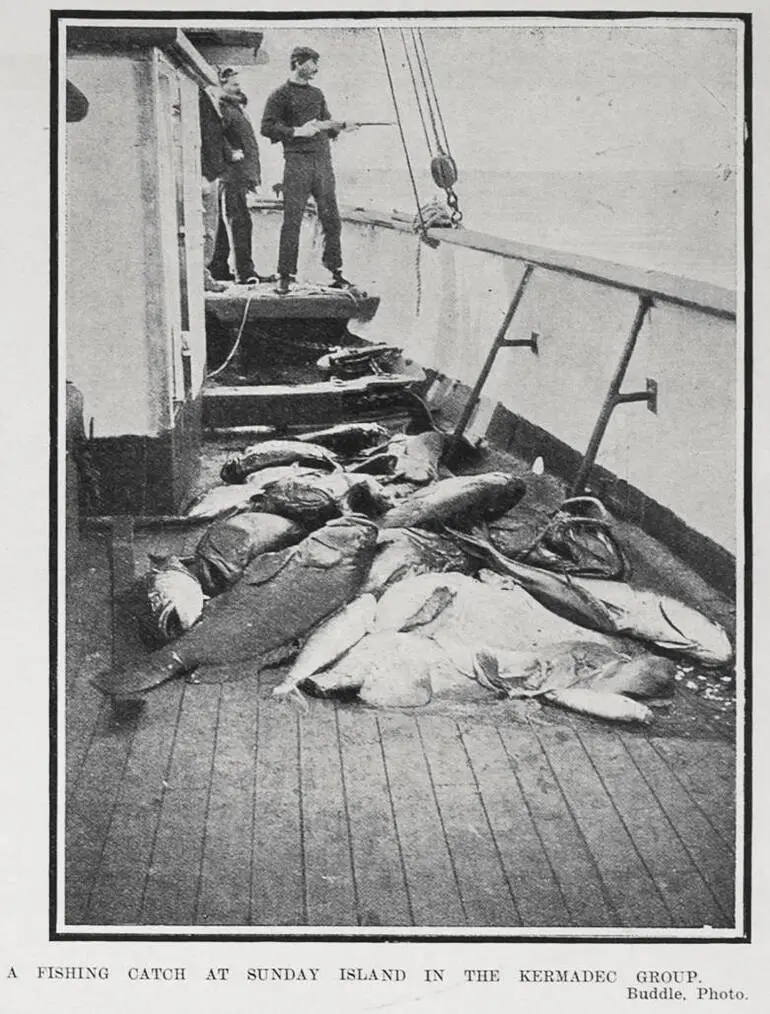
x=280 y=597
x=347 y=439
x=228 y=546
x=475 y=614
x=406 y=552
x=461 y=499
x=613 y=607
x=219 y=501
x=314 y=499
x=276 y=452
x=335 y=636
x=588 y=665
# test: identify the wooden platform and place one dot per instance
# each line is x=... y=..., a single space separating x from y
x=306 y=302
x=320 y=404
x=220 y=807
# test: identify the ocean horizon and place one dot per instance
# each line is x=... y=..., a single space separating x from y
x=683 y=223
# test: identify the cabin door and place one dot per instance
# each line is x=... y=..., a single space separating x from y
x=173 y=215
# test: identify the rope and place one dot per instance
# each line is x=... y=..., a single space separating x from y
x=416 y=93
x=435 y=93
x=427 y=93
x=418 y=276
x=234 y=349
x=400 y=127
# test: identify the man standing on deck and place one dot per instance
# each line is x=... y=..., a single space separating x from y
x=214 y=160
x=297 y=115
x=242 y=175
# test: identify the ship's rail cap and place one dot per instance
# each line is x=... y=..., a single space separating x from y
x=674 y=289
x=659 y=285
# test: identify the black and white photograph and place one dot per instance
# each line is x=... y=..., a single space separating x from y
x=384 y=473
x=401 y=399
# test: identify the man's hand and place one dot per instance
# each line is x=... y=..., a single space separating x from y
x=349 y=126
x=237 y=155
x=309 y=129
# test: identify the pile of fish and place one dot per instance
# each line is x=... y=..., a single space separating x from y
x=386 y=576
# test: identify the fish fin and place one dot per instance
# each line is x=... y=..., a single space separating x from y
x=297 y=700
x=434 y=605
x=671 y=623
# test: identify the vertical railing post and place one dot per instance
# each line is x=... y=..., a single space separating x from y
x=613 y=396
x=495 y=348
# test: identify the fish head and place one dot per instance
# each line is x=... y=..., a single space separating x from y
x=352 y=537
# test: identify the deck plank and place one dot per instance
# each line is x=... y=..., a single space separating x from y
x=173 y=877
x=224 y=898
x=484 y=888
x=706 y=769
x=431 y=881
x=329 y=886
x=633 y=892
x=714 y=859
x=278 y=879
x=687 y=896
x=377 y=865
x=569 y=857
x=87 y=652
x=117 y=894
x=538 y=897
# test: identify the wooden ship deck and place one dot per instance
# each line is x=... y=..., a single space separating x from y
x=219 y=806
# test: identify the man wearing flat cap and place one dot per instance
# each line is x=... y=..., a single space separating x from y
x=296 y=114
x=242 y=174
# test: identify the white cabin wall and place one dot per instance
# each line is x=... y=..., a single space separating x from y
x=105 y=309
x=123 y=324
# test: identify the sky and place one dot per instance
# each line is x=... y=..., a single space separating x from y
x=567 y=98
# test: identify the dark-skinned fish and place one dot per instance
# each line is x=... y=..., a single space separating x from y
x=460 y=500
x=276 y=452
x=280 y=597
x=347 y=439
x=314 y=499
x=229 y=545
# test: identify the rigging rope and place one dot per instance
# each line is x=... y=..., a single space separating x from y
x=435 y=93
x=416 y=93
x=401 y=129
x=443 y=167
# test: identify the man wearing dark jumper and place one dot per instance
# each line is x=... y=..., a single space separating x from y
x=297 y=115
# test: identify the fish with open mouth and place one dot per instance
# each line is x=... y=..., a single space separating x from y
x=167 y=601
x=280 y=597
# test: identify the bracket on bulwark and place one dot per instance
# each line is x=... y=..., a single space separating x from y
x=523 y=343
x=614 y=397
x=498 y=343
